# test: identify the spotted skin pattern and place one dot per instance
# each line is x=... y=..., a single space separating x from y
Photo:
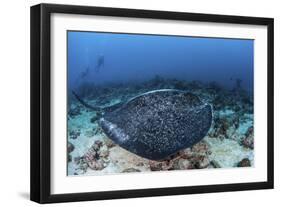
x=159 y=123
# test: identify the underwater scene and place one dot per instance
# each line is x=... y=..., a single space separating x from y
x=141 y=103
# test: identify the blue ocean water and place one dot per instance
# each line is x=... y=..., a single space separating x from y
x=108 y=71
x=102 y=58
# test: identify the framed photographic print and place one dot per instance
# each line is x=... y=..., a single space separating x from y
x=132 y=103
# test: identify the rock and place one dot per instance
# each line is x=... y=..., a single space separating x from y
x=109 y=143
x=158 y=166
x=202 y=162
x=221 y=137
x=250 y=131
x=77 y=160
x=184 y=164
x=94 y=119
x=236 y=137
x=198 y=156
x=98 y=114
x=91 y=155
x=95 y=147
x=236 y=122
x=219 y=128
x=95 y=157
x=232 y=144
x=244 y=163
x=248 y=140
x=98 y=143
x=83 y=166
x=70 y=147
x=230 y=132
x=215 y=164
x=74 y=112
x=74 y=134
x=201 y=148
x=69 y=158
x=225 y=126
x=96 y=164
x=104 y=152
x=128 y=170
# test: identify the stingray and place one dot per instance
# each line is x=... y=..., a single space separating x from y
x=157 y=124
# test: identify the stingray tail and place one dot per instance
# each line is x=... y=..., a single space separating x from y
x=95 y=108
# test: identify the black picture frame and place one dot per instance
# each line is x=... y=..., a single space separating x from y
x=41 y=96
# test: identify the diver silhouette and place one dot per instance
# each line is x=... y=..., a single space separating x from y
x=100 y=62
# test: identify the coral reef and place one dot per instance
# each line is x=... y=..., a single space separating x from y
x=248 y=140
x=75 y=111
x=74 y=134
x=229 y=143
x=70 y=147
x=244 y=163
x=95 y=158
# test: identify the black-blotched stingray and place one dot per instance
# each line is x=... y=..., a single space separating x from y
x=156 y=124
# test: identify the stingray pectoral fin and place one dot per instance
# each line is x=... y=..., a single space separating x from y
x=201 y=121
x=158 y=124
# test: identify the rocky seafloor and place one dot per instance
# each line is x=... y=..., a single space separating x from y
x=229 y=143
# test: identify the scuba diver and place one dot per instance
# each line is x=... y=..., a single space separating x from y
x=100 y=63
